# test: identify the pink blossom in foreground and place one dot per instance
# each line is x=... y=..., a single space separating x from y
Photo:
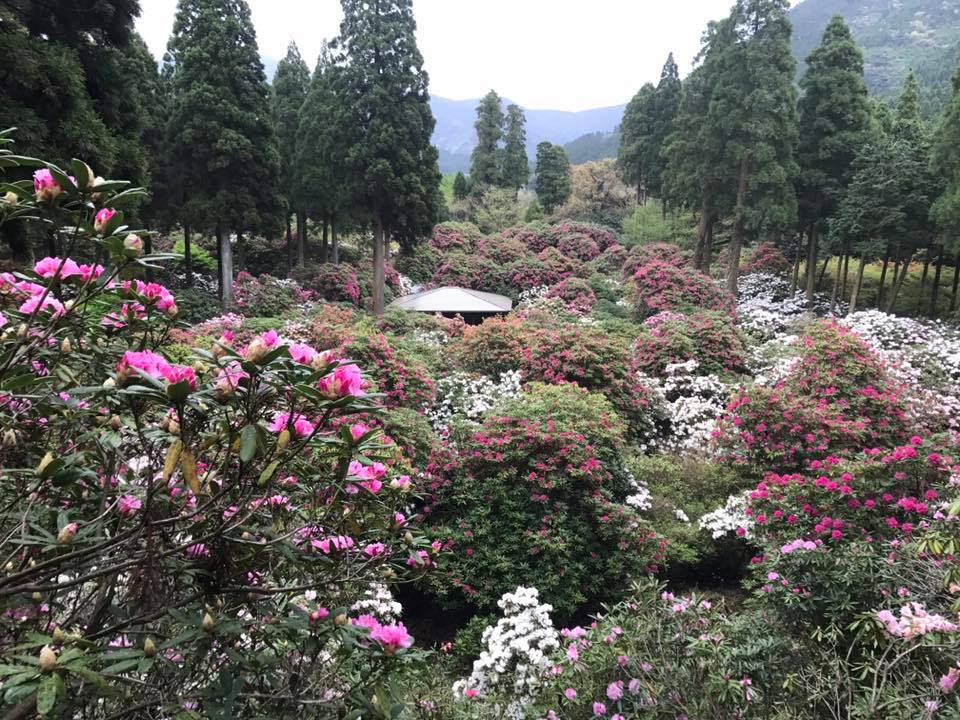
x=914 y=621
x=128 y=505
x=45 y=187
x=392 y=637
x=301 y=426
x=48 y=267
x=302 y=353
x=100 y=220
x=949 y=681
x=343 y=381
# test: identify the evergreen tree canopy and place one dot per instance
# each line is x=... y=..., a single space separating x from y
x=666 y=104
x=461 y=188
x=946 y=162
x=290 y=85
x=635 y=157
x=386 y=123
x=485 y=161
x=553 y=176
x=515 y=172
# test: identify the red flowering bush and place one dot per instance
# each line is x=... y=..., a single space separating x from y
x=179 y=532
x=404 y=381
x=477 y=272
x=503 y=250
x=535 y=236
x=576 y=295
x=266 y=295
x=458 y=237
x=602 y=235
x=661 y=252
x=837 y=399
x=708 y=337
x=336 y=283
x=611 y=260
x=659 y=286
x=764 y=258
x=580 y=247
x=535 y=497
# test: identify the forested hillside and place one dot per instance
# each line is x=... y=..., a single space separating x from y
x=895 y=36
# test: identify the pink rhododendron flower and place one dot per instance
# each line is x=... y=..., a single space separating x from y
x=914 y=621
x=615 y=690
x=301 y=426
x=374 y=549
x=48 y=268
x=197 y=550
x=228 y=379
x=599 y=708
x=949 y=681
x=128 y=505
x=302 y=353
x=343 y=381
x=45 y=187
x=101 y=219
x=358 y=430
x=572 y=653
x=366 y=621
x=570 y=693
x=261 y=345
x=181 y=373
x=392 y=637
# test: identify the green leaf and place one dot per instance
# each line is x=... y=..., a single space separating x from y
x=248 y=443
x=268 y=472
x=47 y=694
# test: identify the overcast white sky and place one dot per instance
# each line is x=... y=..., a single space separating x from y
x=544 y=54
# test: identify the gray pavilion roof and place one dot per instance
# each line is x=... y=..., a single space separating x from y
x=452 y=299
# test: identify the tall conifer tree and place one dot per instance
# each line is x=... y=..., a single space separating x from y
x=553 y=176
x=635 y=156
x=666 y=104
x=946 y=162
x=485 y=160
x=515 y=172
x=386 y=125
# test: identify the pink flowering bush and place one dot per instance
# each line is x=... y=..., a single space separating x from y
x=580 y=247
x=837 y=399
x=575 y=294
x=535 y=236
x=180 y=534
x=601 y=235
x=267 y=296
x=764 y=258
x=335 y=283
x=537 y=495
x=451 y=236
x=659 y=286
x=660 y=252
x=708 y=337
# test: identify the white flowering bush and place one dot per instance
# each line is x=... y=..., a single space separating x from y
x=532 y=296
x=731 y=517
x=470 y=396
x=516 y=653
x=378 y=602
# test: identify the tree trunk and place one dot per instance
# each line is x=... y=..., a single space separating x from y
x=923 y=278
x=796 y=266
x=855 y=293
x=226 y=269
x=290 y=260
x=708 y=247
x=836 y=280
x=823 y=271
x=188 y=255
x=935 y=292
x=241 y=263
x=301 y=237
x=896 y=267
x=379 y=246
x=899 y=283
x=811 y=262
x=736 y=240
x=846 y=271
x=705 y=220
x=956 y=282
x=883 y=276
x=334 y=241
x=324 y=239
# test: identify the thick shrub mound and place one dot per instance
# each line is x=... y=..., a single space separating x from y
x=575 y=293
x=535 y=497
x=335 y=283
x=612 y=260
x=474 y=271
x=602 y=235
x=659 y=286
x=708 y=337
x=535 y=236
x=837 y=399
x=459 y=237
x=643 y=254
x=266 y=295
x=420 y=263
x=590 y=357
x=580 y=247
x=764 y=258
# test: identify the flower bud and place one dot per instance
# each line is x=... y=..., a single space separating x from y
x=9 y=438
x=91 y=177
x=10 y=198
x=408 y=538
x=109 y=384
x=68 y=304
x=66 y=347
x=172 y=310
x=67 y=533
x=149 y=648
x=208 y=624
x=256 y=350
x=133 y=244
x=36 y=597
x=341 y=620
x=48 y=659
x=283 y=439
x=58 y=636
x=22 y=330
x=115 y=422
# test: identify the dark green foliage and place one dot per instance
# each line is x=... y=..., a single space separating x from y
x=461 y=188
x=515 y=172
x=946 y=162
x=666 y=104
x=290 y=85
x=553 y=176
x=593 y=146
x=221 y=139
x=104 y=22
x=636 y=153
x=485 y=158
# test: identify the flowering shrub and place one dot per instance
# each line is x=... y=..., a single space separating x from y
x=611 y=260
x=179 y=537
x=836 y=398
x=640 y=255
x=766 y=308
x=526 y=497
x=403 y=381
x=536 y=236
x=602 y=235
x=580 y=247
x=691 y=405
x=517 y=653
x=419 y=263
x=659 y=286
x=266 y=296
x=473 y=271
x=708 y=338
x=469 y=396
x=576 y=295
x=335 y=283
x=765 y=258
x=451 y=236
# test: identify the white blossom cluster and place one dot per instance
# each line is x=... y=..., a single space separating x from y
x=690 y=404
x=728 y=518
x=430 y=338
x=407 y=285
x=469 y=395
x=773 y=359
x=766 y=307
x=378 y=601
x=641 y=499
x=923 y=355
x=517 y=652
x=532 y=296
